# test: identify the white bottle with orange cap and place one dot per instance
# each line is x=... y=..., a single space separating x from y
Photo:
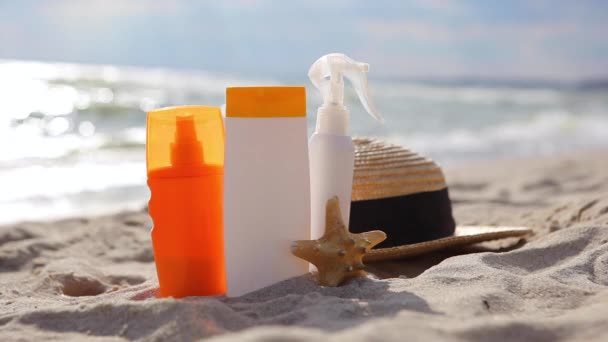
x=267 y=189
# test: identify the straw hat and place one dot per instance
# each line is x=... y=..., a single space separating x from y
x=405 y=195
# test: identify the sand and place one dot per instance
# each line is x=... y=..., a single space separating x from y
x=94 y=278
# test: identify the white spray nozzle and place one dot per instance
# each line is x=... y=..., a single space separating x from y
x=327 y=74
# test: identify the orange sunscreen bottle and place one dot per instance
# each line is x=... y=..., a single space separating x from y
x=185 y=160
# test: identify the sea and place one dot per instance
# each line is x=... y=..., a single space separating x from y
x=72 y=136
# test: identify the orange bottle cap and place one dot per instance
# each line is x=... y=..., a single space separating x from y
x=266 y=102
x=184 y=136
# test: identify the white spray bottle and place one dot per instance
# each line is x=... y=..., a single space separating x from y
x=331 y=150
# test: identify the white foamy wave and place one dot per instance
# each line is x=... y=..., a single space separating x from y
x=545 y=133
x=93 y=185
x=72 y=136
x=466 y=94
x=56 y=181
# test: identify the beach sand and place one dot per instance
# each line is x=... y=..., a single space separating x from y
x=94 y=277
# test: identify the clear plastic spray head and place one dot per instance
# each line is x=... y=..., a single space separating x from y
x=327 y=74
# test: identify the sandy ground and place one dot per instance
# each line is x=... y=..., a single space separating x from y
x=94 y=277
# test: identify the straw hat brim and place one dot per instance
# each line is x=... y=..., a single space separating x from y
x=402 y=192
x=464 y=235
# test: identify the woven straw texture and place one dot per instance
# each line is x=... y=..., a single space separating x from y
x=386 y=170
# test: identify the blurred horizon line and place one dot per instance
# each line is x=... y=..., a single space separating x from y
x=583 y=83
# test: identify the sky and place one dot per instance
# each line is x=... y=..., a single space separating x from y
x=488 y=39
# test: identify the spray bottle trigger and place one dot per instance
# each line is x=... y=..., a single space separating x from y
x=359 y=82
x=327 y=75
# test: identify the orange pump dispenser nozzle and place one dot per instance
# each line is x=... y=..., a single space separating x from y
x=186 y=148
x=185 y=161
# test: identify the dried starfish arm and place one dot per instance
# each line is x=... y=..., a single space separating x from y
x=338 y=254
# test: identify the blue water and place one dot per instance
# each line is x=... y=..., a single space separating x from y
x=72 y=136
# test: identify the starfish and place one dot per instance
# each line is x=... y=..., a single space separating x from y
x=338 y=254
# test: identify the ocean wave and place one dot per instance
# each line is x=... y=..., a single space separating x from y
x=542 y=134
x=72 y=137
